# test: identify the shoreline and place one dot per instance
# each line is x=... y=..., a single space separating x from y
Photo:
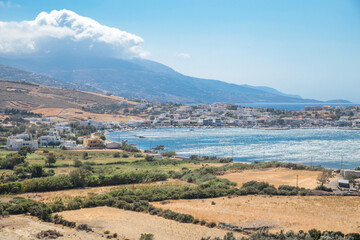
x=222 y=127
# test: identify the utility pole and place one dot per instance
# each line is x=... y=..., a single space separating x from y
x=297 y=181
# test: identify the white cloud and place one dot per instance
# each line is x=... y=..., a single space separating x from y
x=182 y=55
x=8 y=4
x=65 y=31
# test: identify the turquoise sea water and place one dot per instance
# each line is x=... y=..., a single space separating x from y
x=325 y=147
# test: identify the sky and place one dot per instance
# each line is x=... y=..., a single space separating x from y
x=305 y=47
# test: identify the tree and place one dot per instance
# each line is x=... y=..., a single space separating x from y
x=36 y=170
x=25 y=150
x=85 y=155
x=79 y=177
x=324 y=177
x=11 y=160
x=51 y=159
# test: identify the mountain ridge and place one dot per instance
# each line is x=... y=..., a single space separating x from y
x=144 y=79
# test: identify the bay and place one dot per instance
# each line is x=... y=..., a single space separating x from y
x=330 y=148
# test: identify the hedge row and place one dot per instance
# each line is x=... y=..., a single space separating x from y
x=81 y=178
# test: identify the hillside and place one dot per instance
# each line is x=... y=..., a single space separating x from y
x=14 y=74
x=54 y=102
x=139 y=78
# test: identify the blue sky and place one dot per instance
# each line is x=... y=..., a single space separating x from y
x=305 y=47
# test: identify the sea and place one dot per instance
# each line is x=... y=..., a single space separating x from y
x=294 y=106
x=331 y=148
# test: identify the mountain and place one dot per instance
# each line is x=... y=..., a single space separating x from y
x=14 y=74
x=144 y=79
x=272 y=90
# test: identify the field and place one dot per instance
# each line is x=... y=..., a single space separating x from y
x=77 y=114
x=132 y=224
x=25 y=227
x=63 y=103
x=284 y=212
x=83 y=192
x=275 y=176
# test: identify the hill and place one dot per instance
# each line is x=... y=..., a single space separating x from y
x=139 y=78
x=55 y=102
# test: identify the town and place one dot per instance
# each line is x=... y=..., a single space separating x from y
x=24 y=128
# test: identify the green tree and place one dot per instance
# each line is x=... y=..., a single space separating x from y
x=36 y=170
x=11 y=160
x=25 y=150
x=50 y=159
x=79 y=177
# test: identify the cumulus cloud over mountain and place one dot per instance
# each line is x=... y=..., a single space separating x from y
x=65 y=32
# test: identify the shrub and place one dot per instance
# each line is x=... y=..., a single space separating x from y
x=211 y=224
x=77 y=163
x=116 y=155
x=147 y=236
x=11 y=160
x=323 y=188
x=149 y=158
x=202 y=222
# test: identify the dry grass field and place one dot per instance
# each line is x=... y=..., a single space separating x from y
x=275 y=176
x=132 y=224
x=77 y=114
x=286 y=212
x=22 y=227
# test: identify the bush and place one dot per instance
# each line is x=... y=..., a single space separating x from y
x=147 y=236
x=11 y=160
x=323 y=188
x=202 y=222
x=211 y=225
x=169 y=154
x=116 y=155
x=149 y=158
x=77 y=163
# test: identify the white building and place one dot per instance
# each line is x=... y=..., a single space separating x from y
x=46 y=140
x=15 y=143
x=69 y=144
x=98 y=125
